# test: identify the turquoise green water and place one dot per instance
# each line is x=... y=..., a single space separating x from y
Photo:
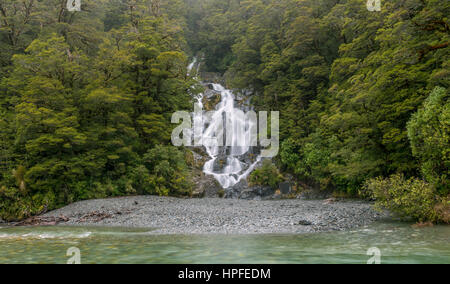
x=398 y=243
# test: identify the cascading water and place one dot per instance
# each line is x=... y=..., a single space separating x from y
x=191 y=66
x=226 y=163
x=229 y=162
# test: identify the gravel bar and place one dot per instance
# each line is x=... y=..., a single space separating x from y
x=168 y=215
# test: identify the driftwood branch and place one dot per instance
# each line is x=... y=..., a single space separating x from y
x=42 y=221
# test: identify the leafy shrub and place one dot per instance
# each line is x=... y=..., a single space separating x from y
x=140 y=177
x=406 y=197
x=314 y=161
x=11 y=206
x=14 y=205
x=167 y=172
x=308 y=160
x=429 y=133
x=266 y=175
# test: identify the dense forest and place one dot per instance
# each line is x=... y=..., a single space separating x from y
x=86 y=101
x=86 y=97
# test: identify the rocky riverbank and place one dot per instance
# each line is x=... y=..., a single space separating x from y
x=218 y=216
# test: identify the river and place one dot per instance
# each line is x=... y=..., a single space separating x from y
x=397 y=243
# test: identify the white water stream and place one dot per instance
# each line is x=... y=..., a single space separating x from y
x=238 y=133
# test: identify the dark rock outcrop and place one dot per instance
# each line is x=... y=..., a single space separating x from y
x=242 y=190
x=207 y=186
x=312 y=194
x=258 y=192
x=285 y=188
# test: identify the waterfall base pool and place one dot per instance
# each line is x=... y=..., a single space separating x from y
x=397 y=242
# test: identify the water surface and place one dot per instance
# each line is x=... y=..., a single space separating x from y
x=398 y=243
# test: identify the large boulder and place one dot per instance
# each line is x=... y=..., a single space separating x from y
x=207 y=186
x=236 y=190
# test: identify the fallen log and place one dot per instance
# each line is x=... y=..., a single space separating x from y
x=42 y=221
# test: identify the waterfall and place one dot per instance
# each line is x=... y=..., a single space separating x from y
x=228 y=162
x=191 y=66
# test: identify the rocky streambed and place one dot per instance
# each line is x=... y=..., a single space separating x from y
x=218 y=216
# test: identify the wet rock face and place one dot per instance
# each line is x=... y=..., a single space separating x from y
x=236 y=190
x=211 y=99
x=220 y=163
x=243 y=190
x=212 y=188
x=199 y=158
x=207 y=186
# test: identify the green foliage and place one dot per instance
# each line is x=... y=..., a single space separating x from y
x=84 y=100
x=17 y=204
x=345 y=80
x=308 y=160
x=169 y=171
x=429 y=133
x=267 y=175
x=164 y=172
x=406 y=197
